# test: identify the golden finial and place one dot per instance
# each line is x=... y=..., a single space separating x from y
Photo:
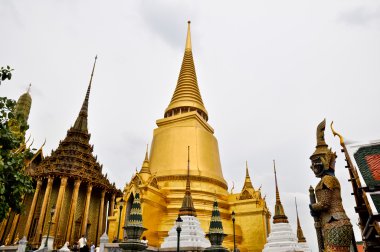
x=275 y=178
x=341 y=140
x=188 y=39
x=246 y=169
x=146 y=153
x=30 y=85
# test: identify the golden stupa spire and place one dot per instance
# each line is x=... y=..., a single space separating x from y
x=300 y=236
x=145 y=166
x=247 y=182
x=81 y=121
x=187 y=97
x=23 y=105
x=187 y=207
x=279 y=213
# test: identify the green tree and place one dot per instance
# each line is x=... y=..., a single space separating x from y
x=14 y=182
x=5 y=73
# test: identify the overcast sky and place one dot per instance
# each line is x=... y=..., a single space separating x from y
x=268 y=71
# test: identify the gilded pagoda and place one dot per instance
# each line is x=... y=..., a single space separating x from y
x=70 y=180
x=163 y=175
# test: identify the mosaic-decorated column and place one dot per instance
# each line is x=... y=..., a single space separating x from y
x=32 y=208
x=58 y=205
x=101 y=214
x=86 y=210
x=73 y=206
x=43 y=210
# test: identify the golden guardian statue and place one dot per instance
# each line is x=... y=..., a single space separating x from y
x=334 y=229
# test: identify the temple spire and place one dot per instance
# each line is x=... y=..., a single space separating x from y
x=279 y=213
x=23 y=105
x=81 y=121
x=247 y=182
x=145 y=166
x=187 y=97
x=188 y=38
x=187 y=207
x=300 y=236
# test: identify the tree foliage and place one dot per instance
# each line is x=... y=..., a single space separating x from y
x=5 y=73
x=14 y=182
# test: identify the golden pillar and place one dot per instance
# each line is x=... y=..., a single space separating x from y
x=13 y=227
x=32 y=208
x=43 y=209
x=3 y=226
x=73 y=206
x=58 y=205
x=86 y=209
x=101 y=215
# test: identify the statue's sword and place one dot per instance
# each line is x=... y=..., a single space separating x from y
x=317 y=221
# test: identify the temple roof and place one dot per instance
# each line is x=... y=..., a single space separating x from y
x=279 y=213
x=187 y=95
x=74 y=156
x=187 y=207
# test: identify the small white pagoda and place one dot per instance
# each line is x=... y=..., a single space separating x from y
x=192 y=237
x=281 y=237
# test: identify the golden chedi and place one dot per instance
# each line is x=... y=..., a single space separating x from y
x=162 y=178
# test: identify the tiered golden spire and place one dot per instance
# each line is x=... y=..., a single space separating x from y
x=247 y=182
x=300 y=236
x=187 y=96
x=145 y=166
x=81 y=121
x=279 y=213
x=187 y=207
x=23 y=105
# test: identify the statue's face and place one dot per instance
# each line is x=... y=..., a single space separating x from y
x=317 y=167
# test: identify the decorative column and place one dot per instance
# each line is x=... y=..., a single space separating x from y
x=101 y=214
x=111 y=207
x=58 y=205
x=73 y=206
x=32 y=208
x=3 y=225
x=86 y=210
x=43 y=210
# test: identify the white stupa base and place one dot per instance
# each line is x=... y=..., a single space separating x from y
x=191 y=236
x=282 y=239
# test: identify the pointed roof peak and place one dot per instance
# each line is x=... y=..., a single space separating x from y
x=279 y=213
x=300 y=236
x=246 y=169
x=187 y=97
x=30 y=85
x=81 y=121
x=187 y=207
x=145 y=166
x=188 y=38
x=146 y=153
x=247 y=181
